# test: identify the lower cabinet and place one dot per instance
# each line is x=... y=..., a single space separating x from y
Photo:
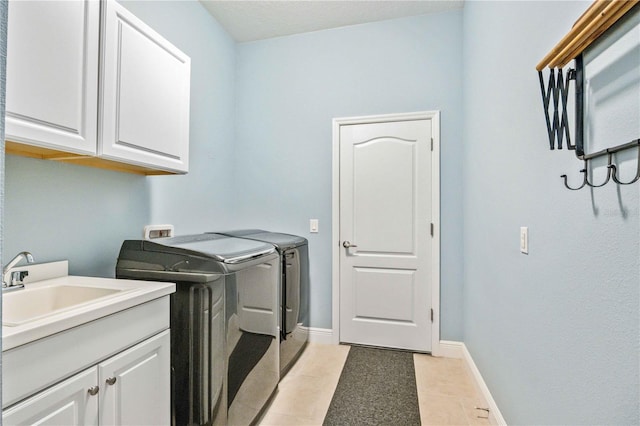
x=130 y=388
x=67 y=403
x=135 y=385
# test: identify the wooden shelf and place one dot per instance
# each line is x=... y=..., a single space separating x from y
x=598 y=18
x=22 y=150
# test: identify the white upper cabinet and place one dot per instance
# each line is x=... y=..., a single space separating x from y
x=137 y=113
x=52 y=74
x=145 y=94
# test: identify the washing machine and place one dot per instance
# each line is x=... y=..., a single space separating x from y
x=294 y=290
x=224 y=322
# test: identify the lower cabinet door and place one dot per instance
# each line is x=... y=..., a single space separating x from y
x=135 y=384
x=71 y=402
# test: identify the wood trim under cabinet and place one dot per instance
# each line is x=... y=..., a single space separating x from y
x=40 y=153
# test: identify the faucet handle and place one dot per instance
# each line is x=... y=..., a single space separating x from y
x=17 y=277
x=10 y=277
x=16 y=281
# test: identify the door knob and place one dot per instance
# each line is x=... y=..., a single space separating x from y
x=347 y=245
x=93 y=390
x=111 y=380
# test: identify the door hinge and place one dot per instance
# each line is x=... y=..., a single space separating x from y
x=431 y=144
x=432 y=229
x=431 y=314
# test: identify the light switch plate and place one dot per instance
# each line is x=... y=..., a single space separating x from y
x=524 y=239
x=313 y=226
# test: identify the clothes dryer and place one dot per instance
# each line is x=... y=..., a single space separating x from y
x=294 y=290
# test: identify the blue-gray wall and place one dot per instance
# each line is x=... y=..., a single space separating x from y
x=62 y=211
x=203 y=199
x=554 y=333
x=288 y=91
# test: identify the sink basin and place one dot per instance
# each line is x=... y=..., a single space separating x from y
x=54 y=302
x=23 y=306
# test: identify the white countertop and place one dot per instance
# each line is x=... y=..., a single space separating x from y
x=133 y=293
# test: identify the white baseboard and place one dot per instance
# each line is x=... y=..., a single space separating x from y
x=495 y=416
x=450 y=349
x=323 y=336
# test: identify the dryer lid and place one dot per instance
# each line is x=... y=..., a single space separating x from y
x=278 y=239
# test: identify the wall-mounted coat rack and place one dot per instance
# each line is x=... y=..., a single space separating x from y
x=612 y=169
x=600 y=16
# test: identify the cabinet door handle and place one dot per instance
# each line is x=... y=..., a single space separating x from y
x=93 y=390
x=111 y=380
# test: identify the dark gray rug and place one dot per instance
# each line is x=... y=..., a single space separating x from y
x=376 y=387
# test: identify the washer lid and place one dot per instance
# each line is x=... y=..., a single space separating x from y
x=222 y=248
x=280 y=240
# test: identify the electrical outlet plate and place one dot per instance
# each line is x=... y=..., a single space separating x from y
x=157 y=231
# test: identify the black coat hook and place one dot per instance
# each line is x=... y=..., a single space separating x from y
x=608 y=173
x=615 y=172
x=584 y=182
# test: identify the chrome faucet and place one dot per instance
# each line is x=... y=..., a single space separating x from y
x=13 y=280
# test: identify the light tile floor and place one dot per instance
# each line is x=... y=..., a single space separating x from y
x=446 y=393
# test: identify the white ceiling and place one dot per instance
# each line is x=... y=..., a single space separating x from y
x=249 y=20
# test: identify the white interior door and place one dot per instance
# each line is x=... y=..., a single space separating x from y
x=385 y=234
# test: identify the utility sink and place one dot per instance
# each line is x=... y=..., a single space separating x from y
x=53 y=302
x=30 y=304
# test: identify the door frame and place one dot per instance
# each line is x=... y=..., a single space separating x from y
x=434 y=116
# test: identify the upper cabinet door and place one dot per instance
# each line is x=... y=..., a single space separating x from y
x=52 y=74
x=145 y=94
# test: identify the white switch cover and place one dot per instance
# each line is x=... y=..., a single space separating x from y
x=313 y=226
x=524 y=239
